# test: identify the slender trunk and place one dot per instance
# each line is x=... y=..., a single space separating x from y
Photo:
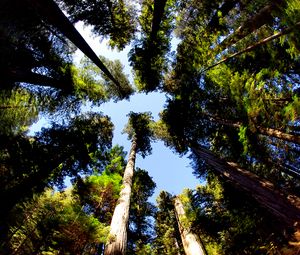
x=50 y=11
x=261 y=130
x=285 y=207
x=118 y=228
x=264 y=16
x=279 y=134
x=191 y=242
x=159 y=7
x=255 y=45
x=19 y=75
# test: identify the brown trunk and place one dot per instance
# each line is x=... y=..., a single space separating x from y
x=261 y=130
x=279 y=134
x=255 y=45
x=118 y=228
x=19 y=75
x=159 y=7
x=191 y=242
x=264 y=16
x=50 y=11
x=283 y=206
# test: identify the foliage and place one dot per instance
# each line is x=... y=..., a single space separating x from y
x=115 y=19
x=141 y=213
x=28 y=165
x=91 y=84
x=18 y=110
x=227 y=226
x=55 y=223
x=167 y=239
x=98 y=193
x=138 y=128
x=232 y=89
x=149 y=53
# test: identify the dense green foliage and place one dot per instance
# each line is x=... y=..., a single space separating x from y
x=139 y=128
x=232 y=90
x=113 y=19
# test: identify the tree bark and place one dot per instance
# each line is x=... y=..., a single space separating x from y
x=285 y=207
x=50 y=11
x=159 y=8
x=191 y=242
x=255 y=45
x=264 y=16
x=261 y=130
x=118 y=228
x=25 y=76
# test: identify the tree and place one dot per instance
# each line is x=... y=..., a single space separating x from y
x=54 y=222
x=91 y=84
x=148 y=56
x=61 y=22
x=140 y=135
x=191 y=242
x=227 y=225
x=245 y=180
x=141 y=213
x=98 y=192
x=167 y=240
x=29 y=165
x=18 y=110
x=257 y=44
x=32 y=52
x=262 y=17
x=108 y=18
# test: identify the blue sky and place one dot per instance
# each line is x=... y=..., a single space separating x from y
x=169 y=171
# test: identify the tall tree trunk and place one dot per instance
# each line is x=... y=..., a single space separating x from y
x=261 y=130
x=118 y=228
x=285 y=207
x=19 y=75
x=279 y=134
x=159 y=8
x=264 y=16
x=49 y=10
x=191 y=242
x=255 y=45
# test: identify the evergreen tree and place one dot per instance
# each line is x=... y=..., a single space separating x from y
x=141 y=213
x=54 y=222
x=167 y=239
x=140 y=135
x=191 y=242
x=29 y=165
x=227 y=226
x=148 y=57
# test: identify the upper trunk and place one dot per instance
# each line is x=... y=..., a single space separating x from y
x=118 y=228
x=159 y=7
x=264 y=16
x=285 y=207
x=261 y=130
x=19 y=75
x=49 y=10
x=255 y=45
x=191 y=242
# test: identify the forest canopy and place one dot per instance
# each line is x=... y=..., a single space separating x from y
x=230 y=73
